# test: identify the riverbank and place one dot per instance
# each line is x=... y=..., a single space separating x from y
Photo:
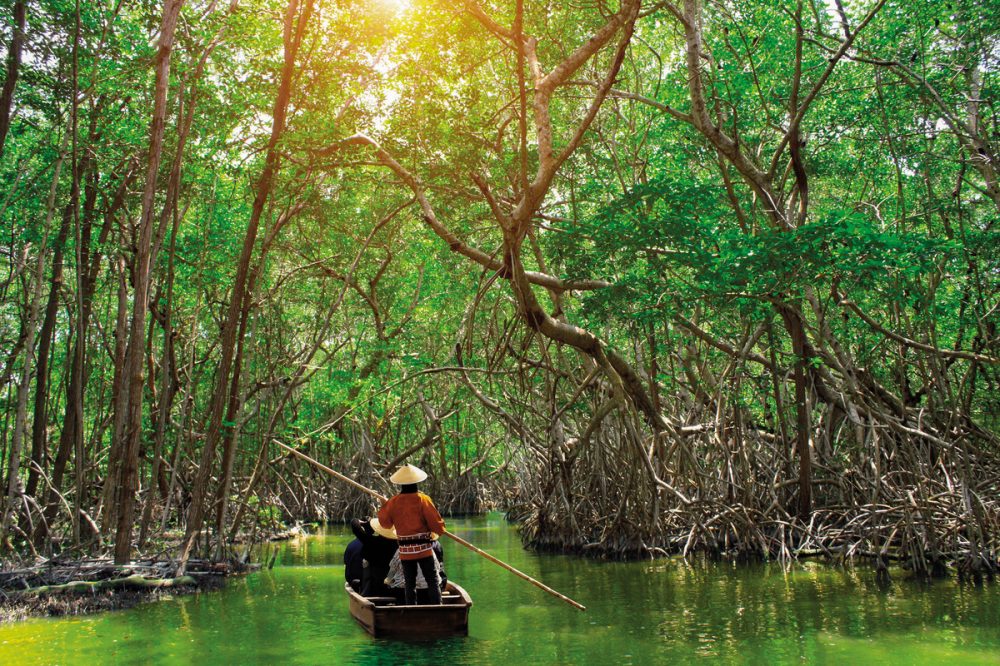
x=57 y=588
x=60 y=586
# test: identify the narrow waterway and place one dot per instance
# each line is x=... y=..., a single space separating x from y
x=660 y=612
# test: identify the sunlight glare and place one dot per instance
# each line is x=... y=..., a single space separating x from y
x=397 y=6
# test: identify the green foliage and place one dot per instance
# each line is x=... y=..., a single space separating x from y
x=355 y=298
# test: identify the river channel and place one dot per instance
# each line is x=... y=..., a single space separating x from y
x=654 y=612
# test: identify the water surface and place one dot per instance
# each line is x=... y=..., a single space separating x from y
x=659 y=612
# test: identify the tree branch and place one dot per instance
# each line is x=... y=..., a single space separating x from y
x=950 y=353
x=456 y=244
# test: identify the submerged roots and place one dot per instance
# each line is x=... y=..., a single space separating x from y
x=897 y=500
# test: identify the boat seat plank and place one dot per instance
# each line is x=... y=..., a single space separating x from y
x=445 y=598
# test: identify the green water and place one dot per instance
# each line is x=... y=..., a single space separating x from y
x=660 y=612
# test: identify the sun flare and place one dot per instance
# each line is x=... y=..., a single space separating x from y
x=397 y=6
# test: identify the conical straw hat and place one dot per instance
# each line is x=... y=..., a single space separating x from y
x=381 y=531
x=408 y=474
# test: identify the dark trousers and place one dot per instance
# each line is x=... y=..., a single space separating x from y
x=428 y=567
x=373 y=582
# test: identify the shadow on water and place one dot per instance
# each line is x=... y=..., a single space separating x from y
x=652 y=612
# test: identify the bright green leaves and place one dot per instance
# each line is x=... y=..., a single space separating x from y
x=671 y=244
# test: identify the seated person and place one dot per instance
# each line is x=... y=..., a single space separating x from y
x=376 y=552
x=353 y=563
x=397 y=582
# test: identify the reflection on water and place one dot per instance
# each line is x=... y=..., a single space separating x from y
x=658 y=612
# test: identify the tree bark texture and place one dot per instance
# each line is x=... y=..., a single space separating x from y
x=142 y=275
x=13 y=71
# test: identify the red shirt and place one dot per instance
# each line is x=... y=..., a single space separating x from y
x=413 y=515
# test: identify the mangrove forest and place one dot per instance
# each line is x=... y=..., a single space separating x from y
x=710 y=278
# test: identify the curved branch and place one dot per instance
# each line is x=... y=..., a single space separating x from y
x=584 y=341
x=758 y=180
x=732 y=351
x=807 y=102
x=487 y=21
x=561 y=73
x=453 y=241
x=659 y=106
x=949 y=353
x=545 y=85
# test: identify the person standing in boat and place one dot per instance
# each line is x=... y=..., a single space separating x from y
x=397 y=581
x=417 y=521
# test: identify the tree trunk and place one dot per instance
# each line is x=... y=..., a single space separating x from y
x=40 y=417
x=294 y=30
x=34 y=304
x=119 y=402
x=793 y=323
x=39 y=423
x=229 y=441
x=88 y=269
x=13 y=69
x=142 y=276
x=168 y=388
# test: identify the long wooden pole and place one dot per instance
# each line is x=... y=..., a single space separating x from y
x=460 y=540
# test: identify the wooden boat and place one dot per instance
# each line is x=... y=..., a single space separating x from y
x=385 y=617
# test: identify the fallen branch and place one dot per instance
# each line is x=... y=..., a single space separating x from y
x=133 y=582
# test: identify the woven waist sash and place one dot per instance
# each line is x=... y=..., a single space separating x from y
x=415 y=544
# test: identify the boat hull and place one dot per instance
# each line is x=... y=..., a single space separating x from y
x=382 y=617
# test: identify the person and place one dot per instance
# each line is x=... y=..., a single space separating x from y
x=354 y=561
x=416 y=520
x=397 y=582
x=376 y=552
